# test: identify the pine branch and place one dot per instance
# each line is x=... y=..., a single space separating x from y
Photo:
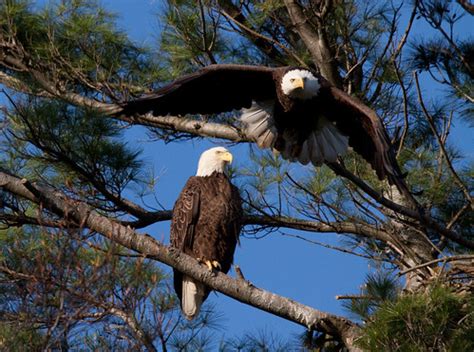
x=441 y=144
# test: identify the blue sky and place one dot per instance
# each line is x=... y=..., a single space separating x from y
x=307 y=273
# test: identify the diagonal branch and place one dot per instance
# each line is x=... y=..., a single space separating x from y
x=266 y=45
x=315 y=226
x=80 y=213
x=418 y=214
x=255 y=34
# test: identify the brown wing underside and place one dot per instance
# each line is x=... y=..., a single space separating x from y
x=206 y=222
x=212 y=89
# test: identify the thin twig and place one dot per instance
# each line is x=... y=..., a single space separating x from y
x=430 y=120
x=261 y=36
x=431 y=262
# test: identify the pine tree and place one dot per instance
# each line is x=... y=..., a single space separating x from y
x=74 y=254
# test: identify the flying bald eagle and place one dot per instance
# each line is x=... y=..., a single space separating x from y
x=292 y=110
x=206 y=223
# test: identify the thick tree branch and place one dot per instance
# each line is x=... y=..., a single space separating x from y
x=364 y=230
x=192 y=126
x=80 y=213
x=19 y=86
x=316 y=42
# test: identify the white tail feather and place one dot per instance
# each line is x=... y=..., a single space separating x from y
x=331 y=143
x=191 y=297
x=259 y=125
x=324 y=144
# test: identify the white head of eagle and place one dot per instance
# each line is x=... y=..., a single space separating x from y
x=300 y=84
x=213 y=160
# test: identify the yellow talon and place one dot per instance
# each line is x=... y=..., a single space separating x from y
x=208 y=264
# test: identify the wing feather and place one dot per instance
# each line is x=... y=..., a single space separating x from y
x=185 y=216
x=183 y=224
x=367 y=135
x=212 y=89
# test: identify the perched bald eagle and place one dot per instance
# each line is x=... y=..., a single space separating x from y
x=293 y=110
x=206 y=223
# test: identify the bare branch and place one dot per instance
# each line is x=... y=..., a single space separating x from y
x=313 y=226
x=192 y=126
x=405 y=109
x=136 y=329
x=81 y=213
x=444 y=260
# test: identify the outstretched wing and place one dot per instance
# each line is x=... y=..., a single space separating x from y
x=367 y=135
x=213 y=89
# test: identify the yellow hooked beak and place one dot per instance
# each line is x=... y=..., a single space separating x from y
x=298 y=83
x=227 y=157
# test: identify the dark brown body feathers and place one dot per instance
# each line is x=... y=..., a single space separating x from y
x=206 y=222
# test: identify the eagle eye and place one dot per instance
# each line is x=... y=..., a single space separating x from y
x=292 y=79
